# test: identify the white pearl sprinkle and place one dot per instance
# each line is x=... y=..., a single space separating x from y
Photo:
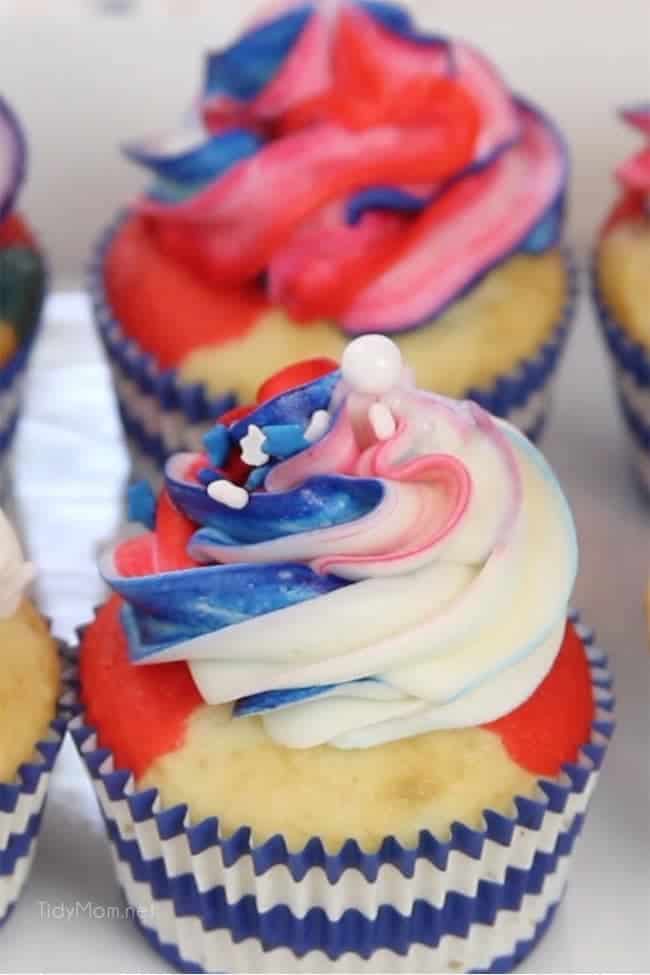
x=251 y=447
x=318 y=425
x=229 y=494
x=382 y=421
x=372 y=364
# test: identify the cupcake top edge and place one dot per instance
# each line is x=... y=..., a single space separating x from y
x=352 y=559
x=349 y=166
x=15 y=572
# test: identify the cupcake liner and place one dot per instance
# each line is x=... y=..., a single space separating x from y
x=631 y=367
x=22 y=801
x=12 y=382
x=476 y=902
x=162 y=415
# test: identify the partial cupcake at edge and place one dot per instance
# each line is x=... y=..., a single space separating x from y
x=22 y=278
x=337 y=709
x=340 y=173
x=32 y=719
x=621 y=285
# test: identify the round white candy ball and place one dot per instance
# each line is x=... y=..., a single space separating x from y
x=372 y=364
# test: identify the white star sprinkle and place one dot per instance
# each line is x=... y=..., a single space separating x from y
x=318 y=425
x=251 y=447
x=229 y=494
x=382 y=421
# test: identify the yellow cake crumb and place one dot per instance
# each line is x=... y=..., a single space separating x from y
x=624 y=277
x=502 y=321
x=233 y=770
x=29 y=686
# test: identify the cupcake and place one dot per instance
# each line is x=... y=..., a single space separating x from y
x=341 y=172
x=31 y=722
x=336 y=712
x=22 y=278
x=621 y=281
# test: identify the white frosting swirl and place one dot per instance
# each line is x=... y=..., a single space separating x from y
x=463 y=574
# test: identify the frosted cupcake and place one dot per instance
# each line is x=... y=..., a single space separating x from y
x=340 y=173
x=622 y=291
x=22 y=278
x=31 y=725
x=335 y=711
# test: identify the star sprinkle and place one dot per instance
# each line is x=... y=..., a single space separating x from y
x=318 y=426
x=251 y=447
x=225 y=492
x=382 y=421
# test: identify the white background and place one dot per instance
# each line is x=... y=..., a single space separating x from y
x=84 y=83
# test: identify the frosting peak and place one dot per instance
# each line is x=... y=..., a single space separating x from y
x=634 y=174
x=350 y=166
x=409 y=568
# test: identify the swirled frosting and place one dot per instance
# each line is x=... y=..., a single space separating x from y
x=353 y=168
x=15 y=572
x=354 y=560
x=633 y=175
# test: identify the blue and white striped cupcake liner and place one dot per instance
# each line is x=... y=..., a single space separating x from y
x=161 y=415
x=12 y=382
x=478 y=901
x=631 y=368
x=22 y=801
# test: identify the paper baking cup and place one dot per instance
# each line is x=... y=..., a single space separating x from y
x=12 y=381
x=162 y=415
x=479 y=901
x=22 y=801
x=631 y=367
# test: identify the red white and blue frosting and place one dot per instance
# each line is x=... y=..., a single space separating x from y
x=354 y=560
x=354 y=168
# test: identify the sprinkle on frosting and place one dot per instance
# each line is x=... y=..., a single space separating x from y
x=318 y=426
x=228 y=494
x=382 y=421
x=352 y=167
x=372 y=585
x=252 y=447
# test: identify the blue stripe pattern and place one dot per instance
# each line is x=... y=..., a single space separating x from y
x=505 y=963
x=28 y=781
x=353 y=931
